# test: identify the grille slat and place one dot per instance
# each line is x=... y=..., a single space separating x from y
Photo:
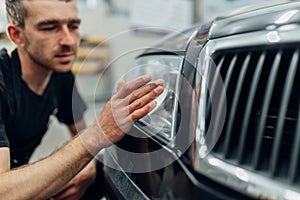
x=219 y=67
x=213 y=83
x=265 y=108
x=220 y=107
x=234 y=105
x=282 y=113
x=295 y=153
x=230 y=71
x=249 y=106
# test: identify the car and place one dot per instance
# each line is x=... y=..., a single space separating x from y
x=227 y=125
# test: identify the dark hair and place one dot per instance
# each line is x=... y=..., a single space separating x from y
x=16 y=12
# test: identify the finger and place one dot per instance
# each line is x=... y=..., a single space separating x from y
x=145 y=99
x=129 y=87
x=143 y=111
x=137 y=94
x=121 y=83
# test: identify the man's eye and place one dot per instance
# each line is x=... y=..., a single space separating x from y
x=48 y=28
x=74 y=26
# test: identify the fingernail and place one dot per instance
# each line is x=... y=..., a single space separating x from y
x=158 y=89
x=160 y=82
x=152 y=104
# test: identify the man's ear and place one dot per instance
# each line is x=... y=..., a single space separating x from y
x=15 y=34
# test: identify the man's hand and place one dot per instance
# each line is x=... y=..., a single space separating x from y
x=77 y=187
x=132 y=101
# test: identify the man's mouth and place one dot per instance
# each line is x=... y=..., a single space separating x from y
x=65 y=55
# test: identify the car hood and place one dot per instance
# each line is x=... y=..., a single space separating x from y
x=257 y=17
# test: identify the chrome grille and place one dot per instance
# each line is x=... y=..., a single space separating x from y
x=262 y=127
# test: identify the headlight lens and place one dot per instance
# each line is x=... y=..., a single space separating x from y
x=167 y=67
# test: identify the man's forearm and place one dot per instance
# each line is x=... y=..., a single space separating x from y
x=42 y=179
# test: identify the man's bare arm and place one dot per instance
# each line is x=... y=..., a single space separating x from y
x=44 y=178
x=5 y=159
x=41 y=179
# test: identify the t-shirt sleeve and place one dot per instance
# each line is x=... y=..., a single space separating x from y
x=72 y=106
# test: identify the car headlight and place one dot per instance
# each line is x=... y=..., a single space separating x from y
x=160 y=121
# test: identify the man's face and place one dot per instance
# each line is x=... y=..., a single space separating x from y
x=51 y=33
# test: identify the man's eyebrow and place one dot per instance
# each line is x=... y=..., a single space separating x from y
x=53 y=21
x=47 y=22
x=77 y=21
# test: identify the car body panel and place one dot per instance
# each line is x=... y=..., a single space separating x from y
x=269 y=17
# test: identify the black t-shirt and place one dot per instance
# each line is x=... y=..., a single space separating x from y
x=24 y=115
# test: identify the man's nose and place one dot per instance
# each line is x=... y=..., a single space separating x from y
x=66 y=37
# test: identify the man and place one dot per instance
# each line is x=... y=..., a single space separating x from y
x=35 y=82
